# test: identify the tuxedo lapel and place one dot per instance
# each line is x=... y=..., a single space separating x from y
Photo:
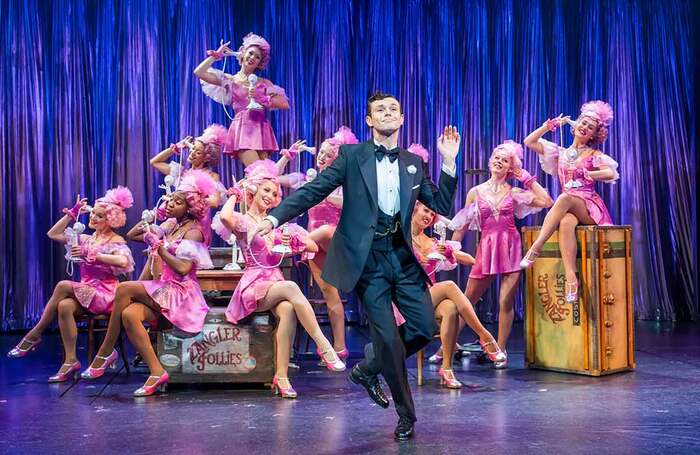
x=368 y=168
x=406 y=182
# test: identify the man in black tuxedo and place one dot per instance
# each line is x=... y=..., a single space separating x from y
x=371 y=250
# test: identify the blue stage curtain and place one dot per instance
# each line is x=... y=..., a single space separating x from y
x=91 y=89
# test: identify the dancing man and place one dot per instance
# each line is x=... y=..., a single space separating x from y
x=371 y=249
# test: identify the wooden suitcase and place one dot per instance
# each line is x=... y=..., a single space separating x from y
x=222 y=352
x=594 y=336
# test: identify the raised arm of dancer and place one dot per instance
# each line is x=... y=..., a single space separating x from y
x=56 y=231
x=161 y=161
x=531 y=141
x=136 y=233
x=202 y=70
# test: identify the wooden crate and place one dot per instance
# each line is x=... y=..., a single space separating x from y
x=594 y=336
x=222 y=352
x=218 y=280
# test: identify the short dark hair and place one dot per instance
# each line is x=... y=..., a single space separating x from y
x=376 y=96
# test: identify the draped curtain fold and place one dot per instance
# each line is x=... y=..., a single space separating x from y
x=91 y=90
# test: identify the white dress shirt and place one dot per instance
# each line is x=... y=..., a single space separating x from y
x=388 y=185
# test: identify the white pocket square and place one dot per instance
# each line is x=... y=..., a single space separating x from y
x=415 y=187
x=411 y=169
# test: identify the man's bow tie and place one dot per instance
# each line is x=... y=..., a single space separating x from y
x=382 y=152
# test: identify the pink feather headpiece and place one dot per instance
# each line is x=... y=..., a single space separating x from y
x=255 y=175
x=214 y=134
x=120 y=196
x=197 y=181
x=197 y=186
x=419 y=150
x=116 y=201
x=599 y=110
x=512 y=148
x=343 y=136
x=251 y=39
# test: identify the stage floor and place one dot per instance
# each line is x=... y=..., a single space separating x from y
x=652 y=410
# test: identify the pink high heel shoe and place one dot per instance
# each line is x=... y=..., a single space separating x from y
x=343 y=355
x=94 y=373
x=148 y=390
x=571 y=292
x=284 y=392
x=335 y=364
x=19 y=351
x=72 y=371
x=501 y=365
x=498 y=356
x=529 y=259
x=448 y=379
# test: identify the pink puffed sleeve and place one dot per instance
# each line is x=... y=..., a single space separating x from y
x=120 y=249
x=467 y=218
x=524 y=203
x=196 y=252
x=549 y=160
x=276 y=90
x=450 y=262
x=240 y=225
x=603 y=160
x=219 y=93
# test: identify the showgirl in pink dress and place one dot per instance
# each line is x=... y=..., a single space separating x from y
x=102 y=256
x=179 y=246
x=204 y=155
x=578 y=168
x=250 y=135
x=448 y=300
x=263 y=287
x=492 y=208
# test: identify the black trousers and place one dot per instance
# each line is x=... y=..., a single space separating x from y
x=395 y=276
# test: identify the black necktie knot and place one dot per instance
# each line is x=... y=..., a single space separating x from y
x=382 y=152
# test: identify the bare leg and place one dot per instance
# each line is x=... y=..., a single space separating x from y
x=289 y=291
x=448 y=290
x=68 y=309
x=567 y=245
x=133 y=317
x=284 y=337
x=336 y=312
x=564 y=204
x=446 y=311
x=506 y=299
x=248 y=157
x=63 y=290
x=126 y=292
x=475 y=289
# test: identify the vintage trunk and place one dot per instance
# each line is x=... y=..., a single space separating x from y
x=222 y=352
x=594 y=336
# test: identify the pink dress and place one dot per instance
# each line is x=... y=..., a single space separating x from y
x=499 y=250
x=179 y=296
x=250 y=129
x=261 y=269
x=325 y=213
x=98 y=281
x=554 y=161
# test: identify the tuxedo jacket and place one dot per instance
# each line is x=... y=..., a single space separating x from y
x=355 y=169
